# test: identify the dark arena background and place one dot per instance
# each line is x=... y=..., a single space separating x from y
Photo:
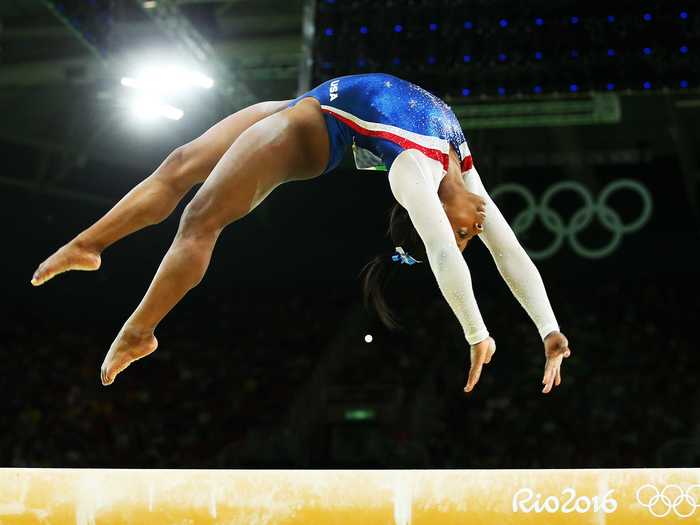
x=582 y=119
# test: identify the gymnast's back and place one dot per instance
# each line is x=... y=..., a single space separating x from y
x=385 y=114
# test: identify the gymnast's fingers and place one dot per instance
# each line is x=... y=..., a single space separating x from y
x=477 y=363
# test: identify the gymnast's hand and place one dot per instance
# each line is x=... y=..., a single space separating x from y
x=556 y=348
x=480 y=355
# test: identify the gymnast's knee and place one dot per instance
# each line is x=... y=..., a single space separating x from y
x=182 y=168
x=198 y=222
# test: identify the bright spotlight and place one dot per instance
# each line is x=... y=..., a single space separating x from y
x=148 y=108
x=201 y=80
x=167 y=79
x=130 y=82
x=171 y=112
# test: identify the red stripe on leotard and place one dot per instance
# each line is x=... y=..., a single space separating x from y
x=467 y=163
x=438 y=155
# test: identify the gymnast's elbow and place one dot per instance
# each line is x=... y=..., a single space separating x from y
x=442 y=253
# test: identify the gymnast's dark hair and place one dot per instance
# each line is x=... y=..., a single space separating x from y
x=379 y=270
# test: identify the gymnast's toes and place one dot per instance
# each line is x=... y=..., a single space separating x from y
x=128 y=347
x=72 y=256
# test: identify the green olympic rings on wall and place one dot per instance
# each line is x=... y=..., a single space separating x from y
x=582 y=217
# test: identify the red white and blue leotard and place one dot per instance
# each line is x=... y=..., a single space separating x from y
x=382 y=115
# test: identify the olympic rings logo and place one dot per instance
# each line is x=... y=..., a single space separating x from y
x=581 y=218
x=683 y=503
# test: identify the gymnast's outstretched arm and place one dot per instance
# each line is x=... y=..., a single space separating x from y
x=514 y=264
x=412 y=184
x=524 y=281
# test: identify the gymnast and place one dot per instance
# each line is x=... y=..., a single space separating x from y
x=391 y=125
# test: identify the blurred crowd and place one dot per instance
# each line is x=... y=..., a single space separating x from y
x=220 y=389
x=222 y=369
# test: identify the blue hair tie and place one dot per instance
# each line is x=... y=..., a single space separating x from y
x=403 y=258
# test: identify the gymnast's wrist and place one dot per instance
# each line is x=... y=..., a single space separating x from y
x=548 y=330
x=477 y=336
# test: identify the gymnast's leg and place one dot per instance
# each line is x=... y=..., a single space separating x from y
x=152 y=200
x=290 y=145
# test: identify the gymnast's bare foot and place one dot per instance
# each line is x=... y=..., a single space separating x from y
x=72 y=256
x=129 y=346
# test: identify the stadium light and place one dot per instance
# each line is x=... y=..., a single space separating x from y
x=167 y=79
x=148 y=108
x=130 y=82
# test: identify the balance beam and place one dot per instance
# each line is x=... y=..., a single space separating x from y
x=400 y=497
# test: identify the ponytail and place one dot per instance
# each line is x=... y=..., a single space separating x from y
x=379 y=270
x=376 y=275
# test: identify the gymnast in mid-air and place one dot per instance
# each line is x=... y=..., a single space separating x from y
x=391 y=124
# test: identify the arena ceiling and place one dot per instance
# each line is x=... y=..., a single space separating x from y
x=62 y=102
x=58 y=93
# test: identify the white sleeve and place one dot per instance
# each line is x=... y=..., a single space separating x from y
x=514 y=264
x=412 y=183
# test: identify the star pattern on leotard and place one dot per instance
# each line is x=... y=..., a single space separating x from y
x=388 y=83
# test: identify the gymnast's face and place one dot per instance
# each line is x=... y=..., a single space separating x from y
x=466 y=213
